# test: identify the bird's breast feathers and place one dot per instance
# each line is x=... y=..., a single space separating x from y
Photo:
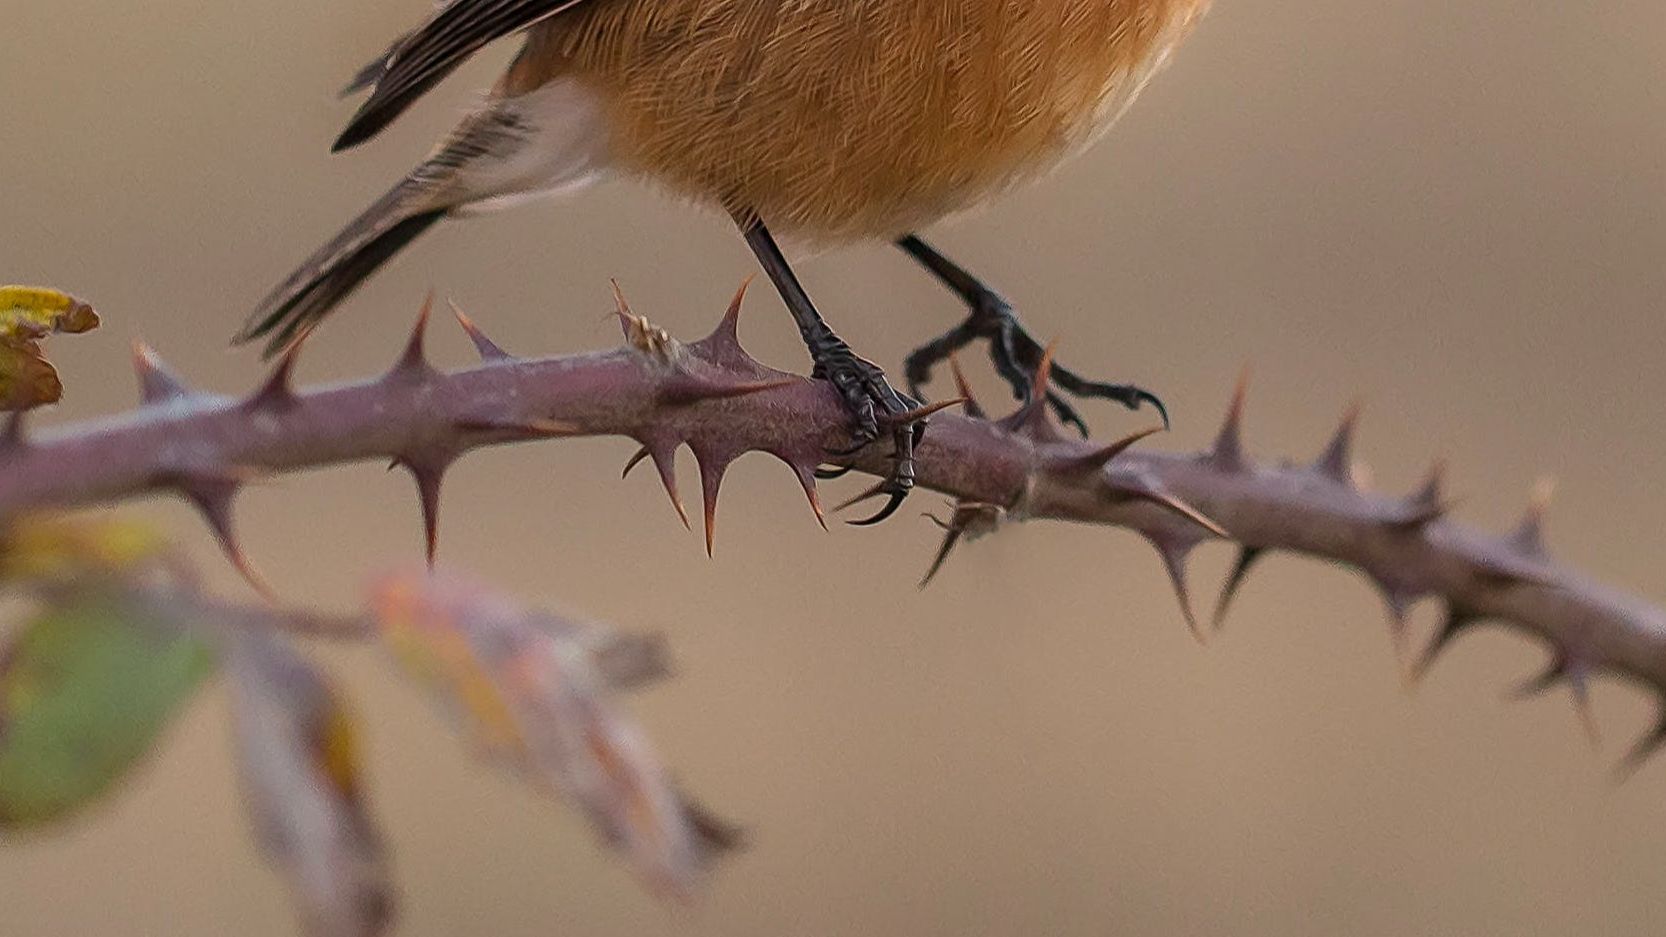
x=841 y=119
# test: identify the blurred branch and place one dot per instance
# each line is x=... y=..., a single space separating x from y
x=713 y=397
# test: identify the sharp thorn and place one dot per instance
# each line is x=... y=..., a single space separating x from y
x=1247 y=558
x=1426 y=505
x=429 y=474
x=1173 y=554
x=964 y=389
x=156 y=382
x=687 y=389
x=487 y=349
x=413 y=360
x=1043 y=378
x=1565 y=669
x=711 y=480
x=1454 y=624
x=213 y=496
x=635 y=460
x=727 y=332
x=951 y=536
x=1640 y=753
x=665 y=463
x=277 y=394
x=920 y=412
x=527 y=429
x=1102 y=456
x=1227 y=454
x=807 y=479
x=1336 y=462
x=1144 y=491
x=1528 y=538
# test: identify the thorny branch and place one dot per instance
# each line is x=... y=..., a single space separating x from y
x=715 y=398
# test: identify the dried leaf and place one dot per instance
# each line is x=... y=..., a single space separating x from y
x=85 y=689
x=298 y=752
x=527 y=687
x=27 y=315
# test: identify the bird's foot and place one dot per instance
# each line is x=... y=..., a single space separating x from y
x=1016 y=355
x=875 y=408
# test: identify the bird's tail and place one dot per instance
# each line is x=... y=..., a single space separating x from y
x=337 y=268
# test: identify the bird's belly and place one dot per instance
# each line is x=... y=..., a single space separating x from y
x=843 y=119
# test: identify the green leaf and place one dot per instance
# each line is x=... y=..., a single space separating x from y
x=85 y=689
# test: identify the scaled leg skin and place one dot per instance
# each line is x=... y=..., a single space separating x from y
x=873 y=404
x=1014 y=352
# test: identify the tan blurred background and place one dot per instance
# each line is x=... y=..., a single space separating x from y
x=1455 y=209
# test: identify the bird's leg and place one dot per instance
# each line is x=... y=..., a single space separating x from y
x=1014 y=352
x=873 y=404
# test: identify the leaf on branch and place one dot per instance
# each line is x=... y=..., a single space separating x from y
x=531 y=690
x=28 y=315
x=85 y=689
x=298 y=753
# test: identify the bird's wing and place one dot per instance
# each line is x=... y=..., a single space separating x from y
x=455 y=31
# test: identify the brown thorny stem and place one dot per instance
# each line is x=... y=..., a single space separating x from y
x=715 y=398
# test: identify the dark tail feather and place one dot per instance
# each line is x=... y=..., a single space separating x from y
x=329 y=275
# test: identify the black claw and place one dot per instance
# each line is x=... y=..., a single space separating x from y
x=897 y=496
x=1012 y=350
x=837 y=471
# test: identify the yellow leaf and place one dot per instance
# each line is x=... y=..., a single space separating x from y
x=27 y=315
x=54 y=548
x=32 y=312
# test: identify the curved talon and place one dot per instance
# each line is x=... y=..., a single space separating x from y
x=890 y=508
x=1144 y=397
x=837 y=471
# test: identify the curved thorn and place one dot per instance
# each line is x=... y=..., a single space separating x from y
x=1453 y=625
x=807 y=479
x=1528 y=538
x=964 y=389
x=919 y=413
x=1102 y=456
x=278 y=393
x=428 y=474
x=951 y=537
x=837 y=471
x=1646 y=746
x=1227 y=454
x=635 y=460
x=213 y=497
x=484 y=346
x=1173 y=555
x=156 y=382
x=1247 y=557
x=1336 y=462
x=529 y=429
x=413 y=360
x=711 y=480
x=727 y=332
x=1165 y=500
x=1043 y=377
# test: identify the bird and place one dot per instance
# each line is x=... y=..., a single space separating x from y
x=821 y=122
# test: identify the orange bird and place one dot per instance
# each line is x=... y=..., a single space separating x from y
x=826 y=121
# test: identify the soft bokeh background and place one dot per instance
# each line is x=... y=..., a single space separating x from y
x=1456 y=210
